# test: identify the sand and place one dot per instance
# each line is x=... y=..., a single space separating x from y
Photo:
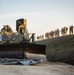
x=45 y=68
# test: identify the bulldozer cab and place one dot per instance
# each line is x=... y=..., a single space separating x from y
x=21 y=27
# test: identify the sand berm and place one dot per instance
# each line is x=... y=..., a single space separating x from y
x=60 y=49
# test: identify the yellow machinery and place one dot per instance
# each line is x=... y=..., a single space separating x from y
x=14 y=45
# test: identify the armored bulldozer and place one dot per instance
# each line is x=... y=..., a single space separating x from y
x=15 y=44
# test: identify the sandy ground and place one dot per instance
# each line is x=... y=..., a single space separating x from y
x=45 y=68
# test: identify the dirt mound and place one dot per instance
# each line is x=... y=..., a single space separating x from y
x=60 y=49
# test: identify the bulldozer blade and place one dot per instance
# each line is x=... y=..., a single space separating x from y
x=18 y=50
x=13 y=50
x=36 y=48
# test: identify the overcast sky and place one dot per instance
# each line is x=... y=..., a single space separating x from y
x=42 y=15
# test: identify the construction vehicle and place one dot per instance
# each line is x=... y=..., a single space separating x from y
x=16 y=44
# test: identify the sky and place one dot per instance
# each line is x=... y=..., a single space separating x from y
x=42 y=15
